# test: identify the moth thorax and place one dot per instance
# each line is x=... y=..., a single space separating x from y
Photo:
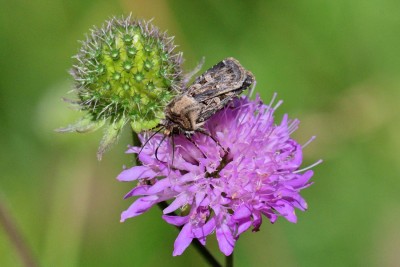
x=181 y=103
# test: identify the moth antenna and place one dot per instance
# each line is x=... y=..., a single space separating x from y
x=173 y=156
x=159 y=144
x=145 y=143
x=173 y=151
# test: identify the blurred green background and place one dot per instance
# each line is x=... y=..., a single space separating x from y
x=336 y=64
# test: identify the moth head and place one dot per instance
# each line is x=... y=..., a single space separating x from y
x=179 y=110
x=168 y=131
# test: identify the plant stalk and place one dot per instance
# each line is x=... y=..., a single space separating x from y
x=229 y=260
x=15 y=236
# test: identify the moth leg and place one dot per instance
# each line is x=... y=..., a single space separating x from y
x=159 y=144
x=189 y=75
x=194 y=143
x=145 y=143
x=193 y=117
x=203 y=131
x=190 y=116
x=173 y=152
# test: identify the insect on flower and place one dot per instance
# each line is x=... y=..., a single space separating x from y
x=209 y=93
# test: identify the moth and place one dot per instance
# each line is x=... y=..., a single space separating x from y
x=209 y=93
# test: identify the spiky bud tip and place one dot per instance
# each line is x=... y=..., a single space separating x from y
x=125 y=72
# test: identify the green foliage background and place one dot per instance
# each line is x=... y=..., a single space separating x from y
x=336 y=64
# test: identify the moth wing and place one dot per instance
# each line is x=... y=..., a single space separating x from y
x=212 y=108
x=226 y=76
x=214 y=104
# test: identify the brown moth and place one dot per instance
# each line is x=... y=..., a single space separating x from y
x=209 y=93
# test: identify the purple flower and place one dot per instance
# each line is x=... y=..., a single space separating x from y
x=225 y=186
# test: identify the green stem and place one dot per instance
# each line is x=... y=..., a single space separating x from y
x=229 y=260
x=15 y=236
x=162 y=205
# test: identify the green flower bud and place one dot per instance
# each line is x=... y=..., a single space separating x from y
x=125 y=72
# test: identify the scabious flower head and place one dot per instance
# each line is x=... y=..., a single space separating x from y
x=126 y=71
x=222 y=187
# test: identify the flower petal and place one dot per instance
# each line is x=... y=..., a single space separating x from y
x=242 y=213
x=176 y=204
x=138 y=207
x=159 y=186
x=243 y=226
x=286 y=210
x=301 y=180
x=226 y=242
x=176 y=220
x=137 y=172
x=138 y=190
x=205 y=230
x=183 y=240
x=227 y=184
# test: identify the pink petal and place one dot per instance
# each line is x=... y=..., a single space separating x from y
x=133 y=149
x=180 y=201
x=159 y=186
x=301 y=180
x=243 y=226
x=135 y=173
x=205 y=230
x=138 y=207
x=176 y=220
x=242 y=213
x=138 y=190
x=286 y=210
x=199 y=197
x=226 y=242
x=257 y=221
x=183 y=240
